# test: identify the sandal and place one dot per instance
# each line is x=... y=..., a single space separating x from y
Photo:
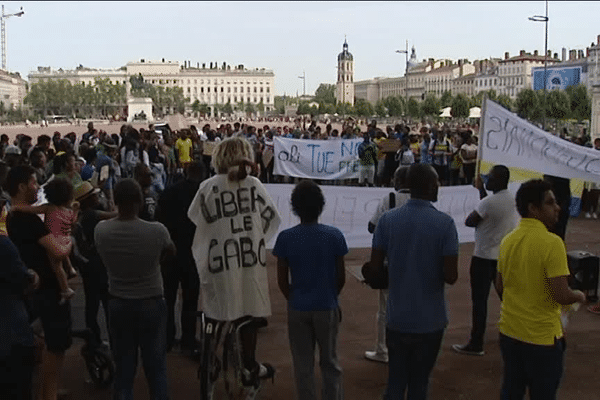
x=594 y=309
x=259 y=372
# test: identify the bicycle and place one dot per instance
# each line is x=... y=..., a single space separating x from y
x=226 y=334
x=97 y=357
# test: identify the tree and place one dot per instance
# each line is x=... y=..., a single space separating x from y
x=196 y=106
x=363 y=108
x=326 y=108
x=260 y=107
x=228 y=109
x=558 y=105
x=446 y=99
x=380 y=109
x=505 y=101
x=204 y=109
x=431 y=105
x=325 y=94
x=250 y=109
x=394 y=105
x=581 y=105
x=303 y=108
x=413 y=108
x=528 y=105
x=460 y=106
x=344 y=109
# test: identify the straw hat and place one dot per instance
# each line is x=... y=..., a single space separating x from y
x=84 y=190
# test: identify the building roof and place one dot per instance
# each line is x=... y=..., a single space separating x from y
x=345 y=55
x=528 y=57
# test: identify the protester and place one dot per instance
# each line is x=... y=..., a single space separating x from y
x=36 y=245
x=131 y=250
x=311 y=274
x=60 y=213
x=367 y=154
x=235 y=217
x=468 y=153
x=173 y=205
x=388 y=202
x=532 y=281
x=494 y=217
x=93 y=272
x=421 y=244
x=17 y=350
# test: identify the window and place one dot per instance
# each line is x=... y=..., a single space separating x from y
x=261 y=89
x=268 y=89
x=228 y=89
x=195 y=90
x=254 y=89
x=222 y=89
x=235 y=99
x=255 y=99
x=189 y=90
x=241 y=89
x=235 y=90
x=248 y=87
x=208 y=89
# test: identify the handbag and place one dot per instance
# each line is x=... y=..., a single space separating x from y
x=375 y=280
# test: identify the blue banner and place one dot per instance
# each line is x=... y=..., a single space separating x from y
x=556 y=78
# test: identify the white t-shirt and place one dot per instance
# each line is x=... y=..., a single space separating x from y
x=471 y=150
x=499 y=213
x=234 y=221
x=384 y=205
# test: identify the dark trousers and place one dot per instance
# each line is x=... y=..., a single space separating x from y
x=411 y=360
x=469 y=171
x=139 y=324
x=528 y=365
x=95 y=287
x=483 y=274
x=182 y=270
x=16 y=373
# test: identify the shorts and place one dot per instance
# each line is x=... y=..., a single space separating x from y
x=366 y=172
x=56 y=320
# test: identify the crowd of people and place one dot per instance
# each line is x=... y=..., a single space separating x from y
x=140 y=214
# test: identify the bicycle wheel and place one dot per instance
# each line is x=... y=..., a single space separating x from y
x=208 y=370
x=100 y=366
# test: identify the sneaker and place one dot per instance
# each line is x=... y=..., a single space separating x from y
x=375 y=356
x=594 y=215
x=588 y=215
x=468 y=349
x=594 y=309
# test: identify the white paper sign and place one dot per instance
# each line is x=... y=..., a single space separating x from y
x=509 y=140
x=316 y=159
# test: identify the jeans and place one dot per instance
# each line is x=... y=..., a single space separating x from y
x=182 y=270
x=411 y=360
x=381 y=347
x=483 y=273
x=528 y=365
x=305 y=328
x=139 y=323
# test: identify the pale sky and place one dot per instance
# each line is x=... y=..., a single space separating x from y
x=288 y=37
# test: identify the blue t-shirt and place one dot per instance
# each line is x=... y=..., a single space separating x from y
x=416 y=237
x=311 y=251
x=426 y=157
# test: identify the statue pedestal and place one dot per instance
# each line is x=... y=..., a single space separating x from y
x=136 y=105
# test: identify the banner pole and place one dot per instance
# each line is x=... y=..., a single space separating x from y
x=480 y=138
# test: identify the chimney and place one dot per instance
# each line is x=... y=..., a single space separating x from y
x=587 y=52
x=598 y=41
x=198 y=65
x=535 y=52
x=564 y=54
x=506 y=55
x=522 y=52
x=572 y=54
x=203 y=65
x=579 y=54
x=549 y=53
x=211 y=65
x=555 y=56
x=163 y=60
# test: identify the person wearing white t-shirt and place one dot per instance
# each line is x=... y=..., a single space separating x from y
x=494 y=217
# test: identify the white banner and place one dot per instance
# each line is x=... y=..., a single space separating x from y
x=349 y=208
x=316 y=159
x=509 y=140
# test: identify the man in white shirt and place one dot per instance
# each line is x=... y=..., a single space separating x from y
x=494 y=217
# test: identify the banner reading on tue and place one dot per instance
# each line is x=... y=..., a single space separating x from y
x=316 y=159
x=509 y=140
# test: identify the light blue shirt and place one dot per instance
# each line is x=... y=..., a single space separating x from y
x=415 y=238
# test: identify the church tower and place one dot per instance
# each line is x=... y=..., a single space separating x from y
x=344 y=92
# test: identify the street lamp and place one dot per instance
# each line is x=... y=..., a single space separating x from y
x=3 y=18
x=544 y=19
x=303 y=77
x=405 y=52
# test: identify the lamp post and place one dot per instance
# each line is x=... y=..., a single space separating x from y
x=303 y=77
x=405 y=52
x=541 y=18
x=3 y=18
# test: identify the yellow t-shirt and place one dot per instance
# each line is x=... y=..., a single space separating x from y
x=184 y=148
x=528 y=255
